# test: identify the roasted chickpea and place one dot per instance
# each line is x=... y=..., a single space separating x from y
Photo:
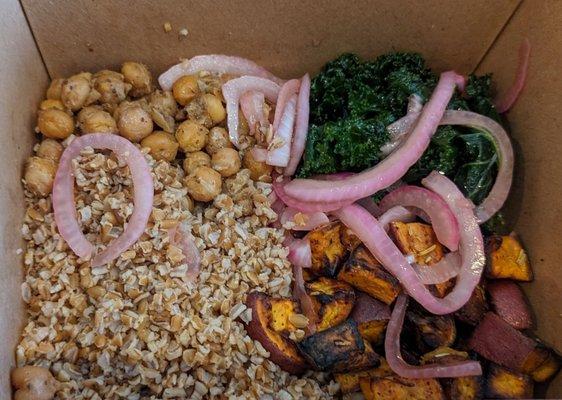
x=138 y=76
x=185 y=89
x=134 y=123
x=214 y=108
x=111 y=86
x=259 y=171
x=226 y=162
x=203 y=184
x=55 y=124
x=33 y=383
x=191 y=136
x=49 y=103
x=92 y=119
x=163 y=145
x=75 y=91
x=163 y=108
x=39 y=175
x=50 y=149
x=195 y=160
x=54 y=89
x=218 y=139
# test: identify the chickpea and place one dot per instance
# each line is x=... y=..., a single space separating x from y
x=203 y=184
x=92 y=119
x=54 y=89
x=50 y=149
x=218 y=139
x=163 y=101
x=138 y=76
x=134 y=123
x=259 y=171
x=55 y=124
x=111 y=86
x=163 y=145
x=226 y=162
x=195 y=160
x=39 y=175
x=50 y=103
x=33 y=383
x=185 y=89
x=75 y=91
x=214 y=108
x=191 y=136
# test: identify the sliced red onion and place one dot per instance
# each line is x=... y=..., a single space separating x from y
x=396 y=213
x=301 y=127
x=235 y=88
x=290 y=218
x=415 y=104
x=289 y=88
x=220 y=64
x=280 y=146
x=405 y=370
x=252 y=105
x=509 y=98
x=181 y=235
x=371 y=233
x=63 y=196
x=300 y=253
x=259 y=154
x=338 y=176
x=443 y=270
x=278 y=187
x=391 y=168
x=299 y=293
x=441 y=217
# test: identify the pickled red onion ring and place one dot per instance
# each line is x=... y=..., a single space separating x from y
x=259 y=154
x=63 y=196
x=505 y=102
x=181 y=235
x=300 y=253
x=289 y=220
x=443 y=270
x=217 y=63
x=279 y=150
x=301 y=127
x=396 y=213
x=278 y=187
x=405 y=370
x=252 y=105
x=299 y=291
x=393 y=167
x=289 y=88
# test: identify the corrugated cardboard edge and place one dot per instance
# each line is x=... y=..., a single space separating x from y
x=23 y=82
x=535 y=122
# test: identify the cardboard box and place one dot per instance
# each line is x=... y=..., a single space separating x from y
x=40 y=39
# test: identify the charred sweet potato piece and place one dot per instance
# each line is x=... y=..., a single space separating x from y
x=463 y=388
x=371 y=316
x=497 y=341
x=475 y=308
x=328 y=251
x=394 y=387
x=419 y=240
x=365 y=273
x=339 y=349
x=282 y=312
x=333 y=301
x=349 y=239
x=430 y=331
x=502 y=383
x=547 y=369
x=509 y=302
x=283 y=351
x=507 y=259
x=349 y=381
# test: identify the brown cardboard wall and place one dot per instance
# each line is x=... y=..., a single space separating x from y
x=289 y=37
x=536 y=121
x=23 y=81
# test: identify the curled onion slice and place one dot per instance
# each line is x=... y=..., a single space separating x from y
x=299 y=293
x=443 y=270
x=300 y=253
x=396 y=213
x=441 y=217
x=297 y=221
x=405 y=370
x=289 y=88
x=63 y=196
x=217 y=63
x=393 y=167
x=280 y=146
x=509 y=98
x=235 y=88
x=181 y=236
x=301 y=127
x=252 y=107
x=279 y=188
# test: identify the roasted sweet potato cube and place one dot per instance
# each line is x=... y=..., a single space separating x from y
x=371 y=316
x=349 y=381
x=502 y=383
x=547 y=369
x=328 y=251
x=339 y=349
x=509 y=302
x=283 y=351
x=373 y=331
x=281 y=311
x=394 y=387
x=507 y=259
x=349 y=239
x=429 y=330
x=365 y=273
x=473 y=311
x=333 y=301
